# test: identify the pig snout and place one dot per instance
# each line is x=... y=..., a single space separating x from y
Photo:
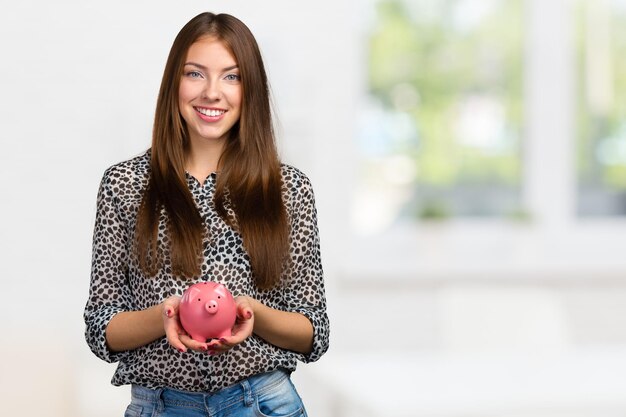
x=211 y=306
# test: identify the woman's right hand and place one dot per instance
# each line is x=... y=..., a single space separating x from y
x=174 y=332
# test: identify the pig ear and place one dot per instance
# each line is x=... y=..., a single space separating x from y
x=220 y=289
x=190 y=294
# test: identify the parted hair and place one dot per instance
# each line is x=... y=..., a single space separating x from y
x=249 y=178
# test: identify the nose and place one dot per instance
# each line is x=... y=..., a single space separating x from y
x=211 y=307
x=211 y=91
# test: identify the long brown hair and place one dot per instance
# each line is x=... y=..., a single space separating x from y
x=249 y=181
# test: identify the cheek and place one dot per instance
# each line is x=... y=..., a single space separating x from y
x=186 y=92
x=235 y=109
x=235 y=96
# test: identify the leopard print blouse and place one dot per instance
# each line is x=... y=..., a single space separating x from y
x=117 y=284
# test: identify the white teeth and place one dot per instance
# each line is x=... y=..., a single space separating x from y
x=211 y=113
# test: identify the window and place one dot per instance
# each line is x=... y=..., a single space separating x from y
x=601 y=110
x=478 y=112
x=440 y=132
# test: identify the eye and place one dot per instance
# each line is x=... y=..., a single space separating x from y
x=193 y=74
x=232 y=77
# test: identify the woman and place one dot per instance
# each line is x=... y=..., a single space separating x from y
x=210 y=201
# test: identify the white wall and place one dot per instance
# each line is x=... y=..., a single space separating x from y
x=78 y=83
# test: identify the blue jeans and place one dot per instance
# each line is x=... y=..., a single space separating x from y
x=268 y=394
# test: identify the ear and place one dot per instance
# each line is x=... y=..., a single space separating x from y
x=220 y=289
x=190 y=294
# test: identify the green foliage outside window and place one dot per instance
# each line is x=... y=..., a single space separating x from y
x=601 y=110
x=448 y=65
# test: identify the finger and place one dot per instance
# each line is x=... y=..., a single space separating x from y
x=214 y=347
x=219 y=346
x=193 y=344
x=170 y=306
x=226 y=343
x=174 y=339
x=244 y=313
x=169 y=311
x=240 y=333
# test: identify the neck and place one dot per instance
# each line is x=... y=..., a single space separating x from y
x=203 y=157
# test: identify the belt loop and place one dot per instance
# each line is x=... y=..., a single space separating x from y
x=248 y=400
x=159 y=400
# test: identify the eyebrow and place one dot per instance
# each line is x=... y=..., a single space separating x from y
x=202 y=67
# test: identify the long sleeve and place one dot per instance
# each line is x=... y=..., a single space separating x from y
x=119 y=285
x=109 y=292
x=305 y=292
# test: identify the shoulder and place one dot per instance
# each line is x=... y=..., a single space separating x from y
x=130 y=168
x=297 y=187
x=293 y=177
x=129 y=176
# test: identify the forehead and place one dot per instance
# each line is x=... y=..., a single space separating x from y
x=210 y=50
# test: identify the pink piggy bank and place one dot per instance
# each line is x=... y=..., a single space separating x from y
x=207 y=311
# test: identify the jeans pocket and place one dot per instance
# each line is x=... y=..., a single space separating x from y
x=137 y=410
x=133 y=410
x=281 y=401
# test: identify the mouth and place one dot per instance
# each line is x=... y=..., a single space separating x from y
x=210 y=112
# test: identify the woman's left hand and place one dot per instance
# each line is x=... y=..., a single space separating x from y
x=242 y=329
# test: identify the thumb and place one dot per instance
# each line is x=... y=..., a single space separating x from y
x=170 y=307
x=244 y=312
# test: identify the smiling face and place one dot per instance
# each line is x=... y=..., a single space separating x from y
x=210 y=93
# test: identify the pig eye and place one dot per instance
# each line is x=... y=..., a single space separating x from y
x=199 y=299
x=219 y=297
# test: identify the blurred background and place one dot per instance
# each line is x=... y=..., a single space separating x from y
x=469 y=162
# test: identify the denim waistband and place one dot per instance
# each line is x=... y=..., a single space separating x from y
x=244 y=390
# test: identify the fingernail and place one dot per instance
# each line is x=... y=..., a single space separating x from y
x=204 y=348
x=181 y=350
x=249 y=314
x=168 y=312
x=222 y=340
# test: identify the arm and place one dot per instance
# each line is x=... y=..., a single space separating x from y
x=114 y=325
x=288 y=330
x=301 y=324
x=304 y=292
x=129 y=330
x=109 y=292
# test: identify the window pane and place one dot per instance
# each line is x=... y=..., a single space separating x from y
x=440 y=130
x=601 y=107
